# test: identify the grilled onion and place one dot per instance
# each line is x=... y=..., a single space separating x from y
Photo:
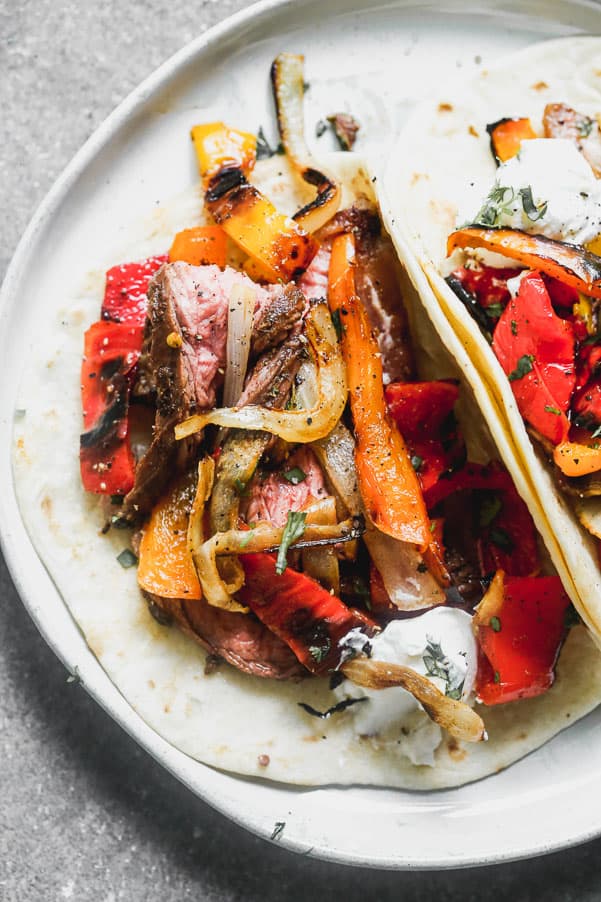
x=456 y=717
x=287 y=79
x=264 y=537
x=298 y=426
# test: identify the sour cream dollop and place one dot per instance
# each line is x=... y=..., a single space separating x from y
x=550 y=189
x=440 y=640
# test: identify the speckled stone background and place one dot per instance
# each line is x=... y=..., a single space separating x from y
x=84 y=814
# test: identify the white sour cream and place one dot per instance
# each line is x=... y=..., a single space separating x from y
x=565 y=192
x=393 y=715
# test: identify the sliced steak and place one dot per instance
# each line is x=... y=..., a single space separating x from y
x=273 y=374
x=184 y=356
x=272 y=498
x=275 y=320
x=269 y=384
x=240 y=639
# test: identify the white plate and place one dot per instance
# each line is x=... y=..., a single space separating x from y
x=375 y=60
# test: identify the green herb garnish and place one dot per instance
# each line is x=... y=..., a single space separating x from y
x=524 y=366
x=497 y=676
x=585 y=126
x=437 y=664
x=497 y=203
x=495 y=624
x=241 y=487
x=127 y=558
x=491 y=506
x=320 y=652
x=293 y=530
x=244 y=542
x=502 y=539
x=533 y=211
x=553 y=410
x=295 y=475
x=416 y=462
x=514 y=327
x=495 y=310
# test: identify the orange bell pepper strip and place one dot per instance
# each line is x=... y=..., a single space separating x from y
x=574 y=459
x=200 y=246
x=506 y=137
x=219 y=147
x=387 y=481
x=569 y=263
x=280 y=246
x=165 y=565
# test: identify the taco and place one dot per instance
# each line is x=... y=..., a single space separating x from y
x=497 y=197
x=298 y=553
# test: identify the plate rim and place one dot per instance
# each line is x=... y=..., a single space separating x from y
x=10 y=516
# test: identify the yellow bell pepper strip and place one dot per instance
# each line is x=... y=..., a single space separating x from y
x=569 y=263
x=219 y=147
x=200 y=246
x=387 y=481
x=283 y=249
x=574 y=459
x=165 y=565
x=506 y=137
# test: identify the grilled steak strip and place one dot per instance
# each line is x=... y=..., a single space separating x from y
x=240 y=639
x=183 y=357
x=268 y=384
x=277 y=319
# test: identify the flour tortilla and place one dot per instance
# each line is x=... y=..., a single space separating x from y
x=228 y=719
x=443 y=150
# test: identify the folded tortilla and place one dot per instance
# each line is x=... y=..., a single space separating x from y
x=225 y=718
x=443 y=150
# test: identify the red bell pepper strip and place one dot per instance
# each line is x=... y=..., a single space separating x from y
x=569 y=263
x=420 y=410
x=509 y=540
x=488 y=284
x=125 y=292
x=472 y=476
x=111 y=353
x=300 y=611
x=521 y=643
x=387 y=481
x=536 y=350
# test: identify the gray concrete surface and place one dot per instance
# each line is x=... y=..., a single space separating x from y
x=84 y=814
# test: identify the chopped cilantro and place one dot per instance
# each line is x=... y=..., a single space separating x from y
x=320 y=652
x=495 y=624
x=514 y=327
x=295 y=475
x=320 y=128
x=293 y=530
x=437 y=664
x=497 y=676
x=278 y=829
x=533 y=211
x=490 y=507
x=502 y=539
x=524 y=366
x=241 y=487
x=416 y=462
x=495 y=310
x=127 y=558
x=554 y=410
